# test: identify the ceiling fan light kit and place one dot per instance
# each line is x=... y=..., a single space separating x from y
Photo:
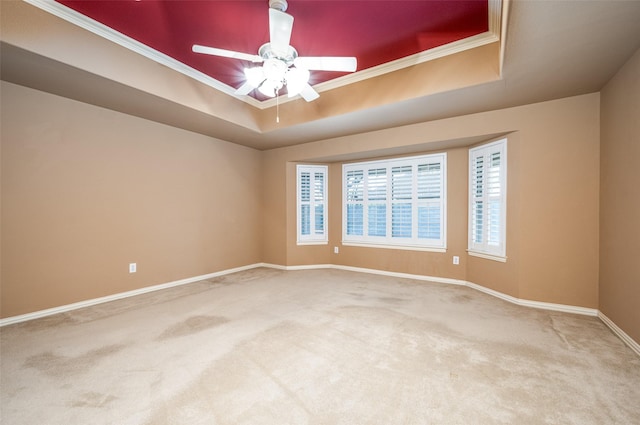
x=281 y=65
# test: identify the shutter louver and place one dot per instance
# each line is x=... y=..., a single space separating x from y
x=401 y=190
x=355 y=202
x=305 y=203
x=377 y=205
x=429 y=205
x=318 y=197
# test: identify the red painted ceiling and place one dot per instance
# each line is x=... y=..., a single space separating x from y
x=373 y=31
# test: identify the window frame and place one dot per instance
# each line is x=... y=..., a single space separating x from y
x=312 y=238
x=417 y=203
x=486 y=249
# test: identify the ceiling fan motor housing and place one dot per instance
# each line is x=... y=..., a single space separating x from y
x=267 y=52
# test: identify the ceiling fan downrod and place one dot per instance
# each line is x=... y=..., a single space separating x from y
x=280 y=5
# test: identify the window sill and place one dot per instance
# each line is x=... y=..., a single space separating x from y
x=312 y=242
x=399 y=247
x=499 y=258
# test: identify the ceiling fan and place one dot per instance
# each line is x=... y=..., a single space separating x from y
x=281 y=65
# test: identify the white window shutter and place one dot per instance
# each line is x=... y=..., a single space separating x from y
x=397 y=202
x=312 y=204
x=487 y=199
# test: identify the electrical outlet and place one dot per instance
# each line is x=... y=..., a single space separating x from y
x=132 y=267
x=456 y=260
x=336 y=250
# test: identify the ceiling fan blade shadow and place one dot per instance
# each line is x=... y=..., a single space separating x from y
x=225 y=53
x=309 y=94
x=327 y=63
x=280 y=27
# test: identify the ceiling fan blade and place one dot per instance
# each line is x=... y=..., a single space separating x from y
x=327 y=63
x=280 y=27
x=244 y=89
x=309 y=94
x=226 y=53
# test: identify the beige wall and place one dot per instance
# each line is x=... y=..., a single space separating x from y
x=620 y=199
x=553 y=196
x=86 y=191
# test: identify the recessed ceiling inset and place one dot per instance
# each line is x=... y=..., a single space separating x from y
x=375 y=32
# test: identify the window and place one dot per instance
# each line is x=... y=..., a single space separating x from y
x=312 y=204
x=487 y=200
x=398 y=202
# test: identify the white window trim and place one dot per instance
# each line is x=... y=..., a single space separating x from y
x=387 y=241
x=502 y=259
x=393 y=246
x=312 y=239
x=483 y=250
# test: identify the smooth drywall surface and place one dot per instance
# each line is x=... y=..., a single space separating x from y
x=274 y=214
x=553 y=195
x=558 y=172
x=86 y=191
x=620 y=199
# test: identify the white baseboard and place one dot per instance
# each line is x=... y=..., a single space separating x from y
x=292 y=268
x=526 y=303
x=365 y=270
x=620 y=333
x=69 y=307
x=401 y=275
x=535 y=304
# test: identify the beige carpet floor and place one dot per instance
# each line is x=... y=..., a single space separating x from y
x=316 y=347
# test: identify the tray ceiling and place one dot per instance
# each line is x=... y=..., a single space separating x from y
x=375 y=32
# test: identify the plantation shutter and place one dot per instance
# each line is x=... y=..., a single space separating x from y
x=311 y=203
x=399 y=202
x=487 y=201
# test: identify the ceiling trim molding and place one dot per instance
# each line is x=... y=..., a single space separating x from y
x=503 y=31
x=495 y=15
x=95 y=27
x=418 y=58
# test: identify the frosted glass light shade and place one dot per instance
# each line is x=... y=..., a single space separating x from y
x=297 y=79
x=269 y=87
x=255 y=76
